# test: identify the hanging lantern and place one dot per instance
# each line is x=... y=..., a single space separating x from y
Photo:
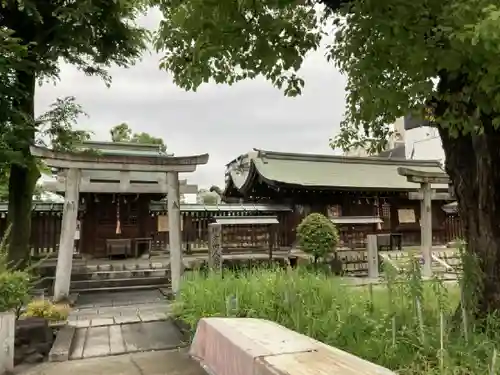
x=118 y=223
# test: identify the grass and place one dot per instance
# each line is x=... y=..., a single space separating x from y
x=398 y=326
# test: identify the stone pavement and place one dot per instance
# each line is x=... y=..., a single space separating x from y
x=125 y=338
x=175 y=362
x=103 y=309
x=122 y=322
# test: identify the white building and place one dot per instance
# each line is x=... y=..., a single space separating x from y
x=411 y=140
x=422 y=142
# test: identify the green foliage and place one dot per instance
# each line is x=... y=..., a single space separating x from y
x=400 y=57
x=420 y=57
x=123 y=133
x=208 y=197
x=317 y=236
x=15 y=287
x=229 y=41
x=44 y=308
x=35 y=37
x=378 y=324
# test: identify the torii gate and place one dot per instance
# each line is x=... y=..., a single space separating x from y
x=426 y=195
x=73 y=163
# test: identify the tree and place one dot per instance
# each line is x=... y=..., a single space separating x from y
x=89 y=34
x=207 y=197
x=123 y=133
x=215 y=189
x=434 y=59
x=317 y=236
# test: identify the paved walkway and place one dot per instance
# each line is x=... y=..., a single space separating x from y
x=125 y=338
x=122 y=322
x=175 y=362
x=103 y=309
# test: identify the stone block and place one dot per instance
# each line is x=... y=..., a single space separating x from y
x=7 y=333
x=116 y=343
x=99 y=322
x=79 y=323
x=97 y=344
x=62 y=345
x=127 y=319
x=261 y=347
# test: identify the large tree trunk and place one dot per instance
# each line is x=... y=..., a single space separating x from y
x=473 y=164
x=23 y=175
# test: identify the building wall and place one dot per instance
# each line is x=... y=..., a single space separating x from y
x=424 y=143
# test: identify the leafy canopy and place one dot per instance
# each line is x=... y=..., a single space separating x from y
x=229 y=41
x=35 y=36
x=89 y=34
x=208 y=197
x=436 y=58
x=123 y=133
x=317 y=235
x=421 y=57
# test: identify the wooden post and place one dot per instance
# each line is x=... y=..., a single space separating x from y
x=215 y=246
x=426 y=228
x=372 y=253
x=174 y=230
x=272 y=240
x=67 y=238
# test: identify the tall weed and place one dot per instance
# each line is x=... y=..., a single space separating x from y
x=398 y=325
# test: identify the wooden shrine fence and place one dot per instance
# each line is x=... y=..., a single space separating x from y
x=46 y=227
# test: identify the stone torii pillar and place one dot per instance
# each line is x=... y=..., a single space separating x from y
x=426 y=195
x=67 y=236
x=174 y=224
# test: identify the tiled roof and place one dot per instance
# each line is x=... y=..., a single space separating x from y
x=326 y=171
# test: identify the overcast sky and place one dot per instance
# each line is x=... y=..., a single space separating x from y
x=224 y=121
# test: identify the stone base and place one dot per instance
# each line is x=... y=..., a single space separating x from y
x=261 y=347
x=33 y=340
x=7 y=332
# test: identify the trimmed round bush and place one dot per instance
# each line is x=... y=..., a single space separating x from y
x=317 y=236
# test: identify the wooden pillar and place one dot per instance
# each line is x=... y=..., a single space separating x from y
x=215 y=246
x=174 y=230
x=372 y=254
x=426 y=228
x=67 y=238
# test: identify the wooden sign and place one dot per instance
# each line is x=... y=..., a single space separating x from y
x=406 y=215
x=163 y=223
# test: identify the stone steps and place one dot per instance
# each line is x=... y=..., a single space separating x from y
x=107 y=278
x=121 y=274
x=116 y=284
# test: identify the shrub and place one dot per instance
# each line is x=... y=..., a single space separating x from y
x=317 y=236
x=43 y=308
x=15 y=287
